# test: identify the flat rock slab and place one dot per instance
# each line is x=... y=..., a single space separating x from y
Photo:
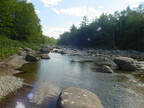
x=15 y=61
x=9 y=84
x=78 y=98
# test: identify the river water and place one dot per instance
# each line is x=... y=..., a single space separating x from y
x=49 y=77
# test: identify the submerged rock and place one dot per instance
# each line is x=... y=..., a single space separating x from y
x=78 y=98
x=44 y=93
x=126 y=63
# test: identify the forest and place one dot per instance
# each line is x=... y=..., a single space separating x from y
x=19 y=27
x=18 y=21
x=121 y=30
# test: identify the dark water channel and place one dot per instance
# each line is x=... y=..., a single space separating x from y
x=115 y=90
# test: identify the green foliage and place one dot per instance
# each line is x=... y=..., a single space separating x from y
x=49 y=40
x=123 y=30
x=8 y=46
x=19 y=27
x=18 y=21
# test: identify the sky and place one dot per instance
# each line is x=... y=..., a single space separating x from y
x=57 y=16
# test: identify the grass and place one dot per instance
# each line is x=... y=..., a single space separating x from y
x=9 y=47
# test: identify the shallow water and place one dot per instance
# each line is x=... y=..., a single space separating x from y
x=115 y=90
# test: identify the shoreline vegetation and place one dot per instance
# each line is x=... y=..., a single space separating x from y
x=122 y=30
x=20 y=27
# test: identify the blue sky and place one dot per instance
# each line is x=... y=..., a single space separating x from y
x=57 y=16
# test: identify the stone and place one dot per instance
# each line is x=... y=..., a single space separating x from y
x=78 y=98
x=15 y=61
x=46 y=49
x=28 y=49
x=31 y=58
x=45 y=56
x=125 y=63
x=104 y=69
x=9 y=84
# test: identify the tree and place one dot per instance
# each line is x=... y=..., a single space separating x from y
x=123 y=30
x=19 y=21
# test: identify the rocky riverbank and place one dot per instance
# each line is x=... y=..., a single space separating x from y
x=113 y=59
x=105 y=62
x=11 y=66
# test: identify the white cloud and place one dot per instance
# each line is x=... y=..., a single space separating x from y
x=135 y=3
x=37 y=11
x=50 y=2
x=79 y=11
x=54 y=31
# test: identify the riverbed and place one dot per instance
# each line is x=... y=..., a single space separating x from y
x=49 y=77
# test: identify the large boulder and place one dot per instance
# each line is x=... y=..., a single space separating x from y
x=126 y=63
x=45 y=56
x=78 y=98
x=31 y=58
x=104 y=69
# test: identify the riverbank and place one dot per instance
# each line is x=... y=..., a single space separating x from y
x=42 y=92
x=9 y=67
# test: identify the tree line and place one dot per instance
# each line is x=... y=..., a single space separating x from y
x=19 y=27
x=121 y=30
x=18 y=21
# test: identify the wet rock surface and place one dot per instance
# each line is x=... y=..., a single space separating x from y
x=45 y=93
x=78 y=98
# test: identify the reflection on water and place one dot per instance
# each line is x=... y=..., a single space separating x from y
x=20 y=105
x=50 y=76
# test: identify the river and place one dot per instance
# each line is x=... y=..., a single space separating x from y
x=117 y=90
